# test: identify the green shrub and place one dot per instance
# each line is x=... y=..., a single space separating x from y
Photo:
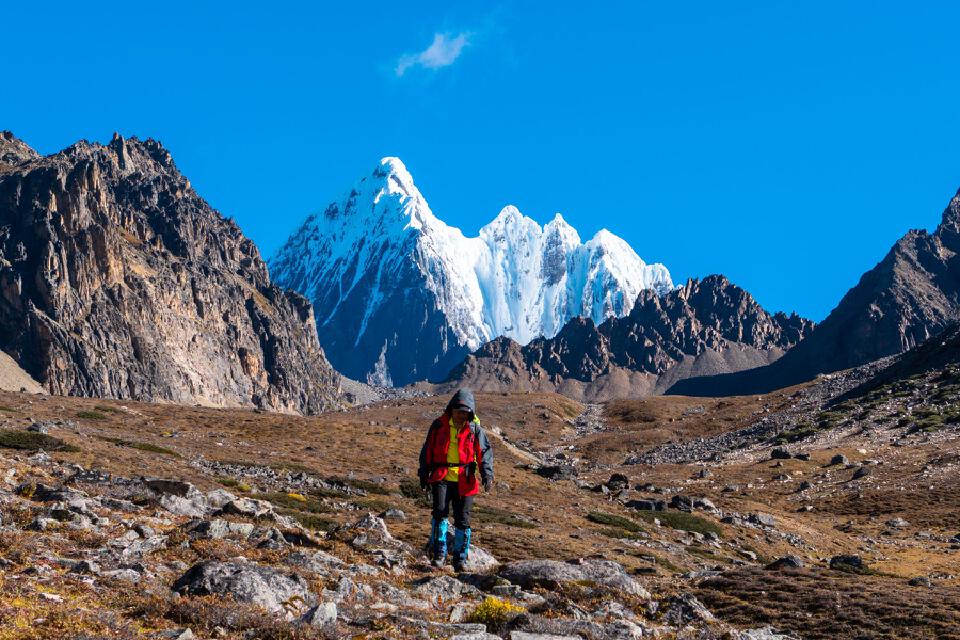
x=492 y=515
x=296 y=501
x=107 y=408
x=682 y=521
x=33 y=441
x=612 y=520
x=141 y=446
x=410 y=488
x=494 y=612
x=364 y=485
x=310 y=520
x=91 y=415
x=233 y=483
x=796 y=434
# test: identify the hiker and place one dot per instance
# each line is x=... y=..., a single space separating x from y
x=455 y=459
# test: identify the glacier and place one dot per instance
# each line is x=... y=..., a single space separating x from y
x=386 y=275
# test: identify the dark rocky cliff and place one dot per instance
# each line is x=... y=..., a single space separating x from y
x=118 y=280
x=707 y=326
x=910 y=296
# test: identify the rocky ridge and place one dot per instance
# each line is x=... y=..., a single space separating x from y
x=117 y=280
x=908 y=297
x=708 y=325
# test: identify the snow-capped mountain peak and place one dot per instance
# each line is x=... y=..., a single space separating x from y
x=402 y=296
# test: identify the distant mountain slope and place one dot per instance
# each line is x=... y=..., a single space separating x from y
x=911 y=295
x=706 y=326
x=118 y=280
x=401 y=296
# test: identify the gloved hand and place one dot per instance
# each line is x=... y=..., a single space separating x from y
x=488 y=485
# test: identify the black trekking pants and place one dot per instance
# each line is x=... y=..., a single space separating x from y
x=447 y=493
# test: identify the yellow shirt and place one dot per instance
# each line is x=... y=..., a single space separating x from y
x=453 y=455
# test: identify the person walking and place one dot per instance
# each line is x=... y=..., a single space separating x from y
x=456 y=458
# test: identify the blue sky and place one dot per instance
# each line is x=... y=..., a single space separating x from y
x=784 y=144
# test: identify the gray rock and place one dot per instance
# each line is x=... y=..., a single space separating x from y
x=443 y=588
x=164 y=486
x=39 y=427
x=786 y=562
x=320 y=615
x=319 y=562
x=763 y=519
x=218 y=529
x=86 y=567
x=647 y=505
x=618 y=482
x=275 y=590
x=684 y=609
x=920 y=581
x=839 y=459
x=394 y=514
x=847 y=562
x=126 y=575
x=557 y=472
x=861 y=472
x=533 y=573
x=248 y=507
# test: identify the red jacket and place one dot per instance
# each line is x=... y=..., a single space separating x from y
x=472 y=445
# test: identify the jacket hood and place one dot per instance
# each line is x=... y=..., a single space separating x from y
x=463 y=398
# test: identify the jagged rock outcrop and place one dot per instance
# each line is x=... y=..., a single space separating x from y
x=707 y=325
x=910 y=296
x=118 y=280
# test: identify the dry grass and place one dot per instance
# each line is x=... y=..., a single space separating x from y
x=822 y=604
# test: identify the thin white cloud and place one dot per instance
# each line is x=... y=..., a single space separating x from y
x=442 y=52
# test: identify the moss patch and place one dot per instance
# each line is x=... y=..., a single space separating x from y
x=141 y=446
x=91 y=415
x=33 y=441
x=682 y=521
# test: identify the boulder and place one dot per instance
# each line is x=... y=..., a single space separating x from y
x=647 y=505
x=164 y=486
x=395 y=515
x=320 y=615
x=786 y=562
x=319 y=562
x=277 y=591
x=557 y=472
x=762 y=519
x=848 y=563
x=218 y=529
x=248 y=507
x=443 y=588
x=618 y=482
x=780 y=453
x=684 y=609
x=839 y=459
x=549 y=573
